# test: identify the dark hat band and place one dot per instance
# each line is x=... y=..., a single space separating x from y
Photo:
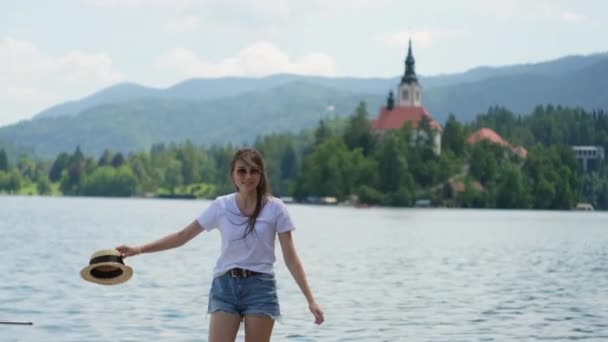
x=106 y=258
x=106 y=275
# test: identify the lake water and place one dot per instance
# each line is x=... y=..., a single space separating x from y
x=380 y=274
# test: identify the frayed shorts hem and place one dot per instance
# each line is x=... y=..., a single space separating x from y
x=224 y=311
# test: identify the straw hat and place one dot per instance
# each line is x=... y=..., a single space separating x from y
x=107 y=268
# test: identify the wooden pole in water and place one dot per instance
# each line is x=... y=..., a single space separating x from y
x=16 y=323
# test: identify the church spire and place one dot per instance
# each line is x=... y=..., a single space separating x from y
x=409 y=76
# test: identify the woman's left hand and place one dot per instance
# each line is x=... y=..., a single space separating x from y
x=317 y=312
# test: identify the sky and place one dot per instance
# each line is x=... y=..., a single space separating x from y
x=62 y=50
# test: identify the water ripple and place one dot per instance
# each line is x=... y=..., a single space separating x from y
x=380 y=274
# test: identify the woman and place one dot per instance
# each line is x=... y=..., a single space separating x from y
x=243 y=287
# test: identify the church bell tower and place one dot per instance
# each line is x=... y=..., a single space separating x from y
x=410 y=92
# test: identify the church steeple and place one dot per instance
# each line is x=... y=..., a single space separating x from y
x=409 y=90
x=409 y=76
x=405 y=107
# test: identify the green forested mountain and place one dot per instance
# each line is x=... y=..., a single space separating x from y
x=114 y=94
x=521 y=92
x=449 y=84
x=556 y=68
x=193 y=89
x=138 y=124
x=127 y=116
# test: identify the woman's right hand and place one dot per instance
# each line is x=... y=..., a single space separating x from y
x=316 y=310
x=127 y=251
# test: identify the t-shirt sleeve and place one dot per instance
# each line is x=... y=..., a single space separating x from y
x=284 y=223
x=209 y=219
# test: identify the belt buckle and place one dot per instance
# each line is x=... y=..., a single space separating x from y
x=239 y=273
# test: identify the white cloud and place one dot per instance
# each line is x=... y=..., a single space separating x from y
x=22 y=61
x=260 y=59
x=180 y=24
x=571 y=17
x=528 y=9
x=253 y=10
x=31 y=80
x=20 y=92
x=264 y=17
x=514 y=8
x=116 y=3
x=420 y=38
x=77 y=66
x=273 y=14
x=176 y=5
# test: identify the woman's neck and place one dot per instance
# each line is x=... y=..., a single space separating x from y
x=246 y=199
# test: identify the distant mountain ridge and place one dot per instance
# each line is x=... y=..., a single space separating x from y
x=128 y=116
x=586 y=88
x=139 y=123
x=212 y=88
x=557 y=67
x=114 y=94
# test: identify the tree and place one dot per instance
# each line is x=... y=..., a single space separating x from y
x=190 y=160
x=110 y=181
x=331 y=169
x=322 y=133
x=106 y=158
x=472 y=197
x=453 y=137
x=359 y=132
x=425 y=136
x=43 y=185
x=71 y=181
x=27 y=167
x=551 y=175
x=173 y=175
x=394 y=177
x=483 y=162
x=512 y=190
x=118 y=160
x=288 y=168
x=60 y=164
x=289 y=163
x=10 y=181
x=4 y=165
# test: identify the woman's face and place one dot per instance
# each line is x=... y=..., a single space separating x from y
x=246 y=177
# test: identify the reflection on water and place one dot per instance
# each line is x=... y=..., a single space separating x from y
x=380 y=274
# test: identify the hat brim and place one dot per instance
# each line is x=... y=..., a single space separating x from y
x=119 y=276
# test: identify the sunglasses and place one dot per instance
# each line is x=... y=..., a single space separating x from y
x=241 y=171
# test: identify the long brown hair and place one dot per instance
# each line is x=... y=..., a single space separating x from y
x=252 y=158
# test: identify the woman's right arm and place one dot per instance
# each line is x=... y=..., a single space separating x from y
x=174 y=240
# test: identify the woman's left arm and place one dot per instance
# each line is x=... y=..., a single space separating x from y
x=292 y=261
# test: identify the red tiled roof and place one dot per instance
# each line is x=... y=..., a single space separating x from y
x=521 y=151
x=493 y=137
x=488 y=135
x=398 y=116
x=459 y=186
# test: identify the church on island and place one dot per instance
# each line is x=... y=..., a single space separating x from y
x=408 y=107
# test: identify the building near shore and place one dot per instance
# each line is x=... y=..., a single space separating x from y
x=589 y=157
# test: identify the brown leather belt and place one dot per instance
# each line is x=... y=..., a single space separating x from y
x=242 y=273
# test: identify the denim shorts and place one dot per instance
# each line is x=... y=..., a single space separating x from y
x=253 y=295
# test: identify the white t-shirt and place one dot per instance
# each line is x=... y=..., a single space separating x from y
x=255 y=252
